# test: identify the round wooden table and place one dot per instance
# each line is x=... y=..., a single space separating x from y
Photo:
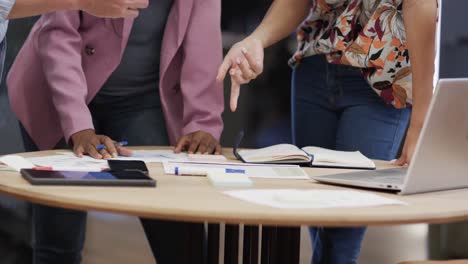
x=194 y=199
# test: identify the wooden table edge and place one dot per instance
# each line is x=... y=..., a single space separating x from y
x=187 y=216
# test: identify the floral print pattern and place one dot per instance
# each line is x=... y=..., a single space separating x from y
x=368 y=34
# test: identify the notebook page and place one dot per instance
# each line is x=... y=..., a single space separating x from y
x=274 y=153
x=351 y=158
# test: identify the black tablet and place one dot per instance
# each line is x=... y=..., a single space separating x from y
x=86 y=178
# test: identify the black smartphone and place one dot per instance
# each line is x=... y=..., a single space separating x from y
x=86 y=178
x=127 y=165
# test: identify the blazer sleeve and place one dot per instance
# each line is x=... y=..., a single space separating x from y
x=203 y=96
x=59 y=46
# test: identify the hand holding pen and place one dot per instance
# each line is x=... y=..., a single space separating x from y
x=117 y=144
x=97 y=146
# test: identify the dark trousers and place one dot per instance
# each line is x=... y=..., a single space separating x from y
x=59 y=234
x=334 y=107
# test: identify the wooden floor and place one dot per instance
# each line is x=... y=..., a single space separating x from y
x=120 y=240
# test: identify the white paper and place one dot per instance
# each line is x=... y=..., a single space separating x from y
x=70 y=163
x=312 y=199
x=149 y=156
x=163 y=155
x=285 y=172
x=16 y=163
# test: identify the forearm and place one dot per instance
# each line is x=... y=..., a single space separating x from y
x=282 y=18
x=26 y=8
x=420 y=18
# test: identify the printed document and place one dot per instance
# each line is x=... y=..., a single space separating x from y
x=285 y=172
x=312 y=199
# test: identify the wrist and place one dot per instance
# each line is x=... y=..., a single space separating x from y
x=259 y=37
x=418 y=115
x=83 y=132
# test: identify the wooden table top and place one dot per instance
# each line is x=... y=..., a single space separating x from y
x=195 y=199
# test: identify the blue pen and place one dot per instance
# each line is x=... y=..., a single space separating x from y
x=121 y=143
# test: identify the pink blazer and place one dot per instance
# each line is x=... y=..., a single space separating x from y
x=67 y=58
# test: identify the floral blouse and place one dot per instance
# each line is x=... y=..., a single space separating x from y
x=369 y=34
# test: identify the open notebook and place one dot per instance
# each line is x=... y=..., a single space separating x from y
x=310 y=156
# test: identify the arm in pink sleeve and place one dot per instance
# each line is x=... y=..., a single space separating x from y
x=59 y=45
x=203 y=97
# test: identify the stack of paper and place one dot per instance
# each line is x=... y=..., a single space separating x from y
x=69 y=163
x=286 y=172
x=312 y=199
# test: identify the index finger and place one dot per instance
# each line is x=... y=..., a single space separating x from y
x=223 y=69
x=235 y=92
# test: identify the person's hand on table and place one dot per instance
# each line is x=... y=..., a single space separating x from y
x=112 y=8
x=243 y=62
x=198 y=142
x=86 y=142
x=411 y=140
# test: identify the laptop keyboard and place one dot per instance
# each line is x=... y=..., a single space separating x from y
x=388 y=176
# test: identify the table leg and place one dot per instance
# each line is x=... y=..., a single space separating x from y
x=269 y=245
x=213 y=244
x=250 y=254
x=231 y=245
x=197 y=235
x=289 y=242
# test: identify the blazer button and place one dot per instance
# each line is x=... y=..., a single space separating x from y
x=90 y=50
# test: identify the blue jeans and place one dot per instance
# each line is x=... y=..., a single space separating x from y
x=334 y=107
x=59 y=234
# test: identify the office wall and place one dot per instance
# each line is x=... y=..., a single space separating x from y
x=454 y=44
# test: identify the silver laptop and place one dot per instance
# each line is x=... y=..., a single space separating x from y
x=440 y=161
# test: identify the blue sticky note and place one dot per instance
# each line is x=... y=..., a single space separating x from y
x=235 y=171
